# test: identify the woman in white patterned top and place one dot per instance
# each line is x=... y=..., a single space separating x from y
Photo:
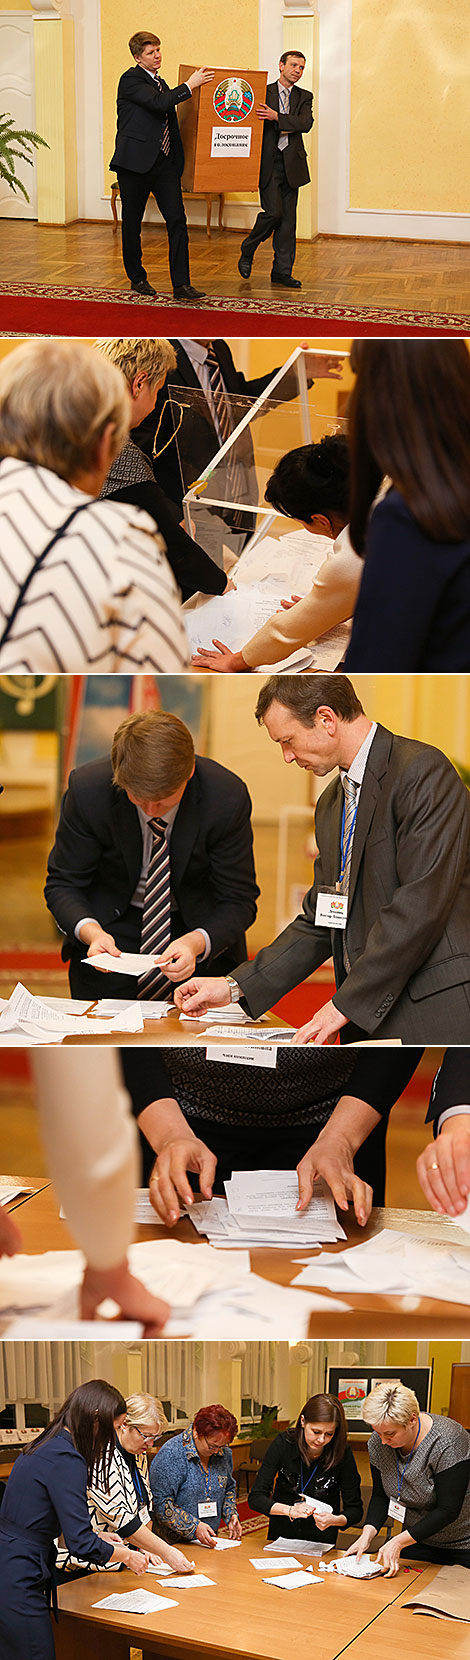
x=119 y=1500
x=86 y=584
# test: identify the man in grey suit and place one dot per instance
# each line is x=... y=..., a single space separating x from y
x=391 y=893
x=287 y=114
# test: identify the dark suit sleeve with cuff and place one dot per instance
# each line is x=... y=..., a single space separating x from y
x=451 y=1087
x=136 y=91
x=72 y=863
x=302 y=122
x=301 y=948
x=431 y=851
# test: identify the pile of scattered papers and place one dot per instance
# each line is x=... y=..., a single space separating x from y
x=260 y=1210
x=31 y=1020
x=265 y=575
x=405 y=1265
x=210 y=1295
x=366 y=1568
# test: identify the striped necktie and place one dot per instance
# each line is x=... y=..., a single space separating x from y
x=166 y=142
x=156 y=928
x=284 y=105
x=350 y=792
x=224 y=419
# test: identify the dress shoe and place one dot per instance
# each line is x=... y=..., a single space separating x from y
x=285 y=282
x=244 y=265
x=143 y=287
x=187 y=292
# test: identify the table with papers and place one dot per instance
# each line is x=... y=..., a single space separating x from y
x=263 y=576
x=371 y=1314
x=239 y=1617
x=27 y=1020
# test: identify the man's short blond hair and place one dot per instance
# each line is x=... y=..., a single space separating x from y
x=155 y=358
x=392 y=1402
x=152 y=755
x=56 y=398
x=146 y=1409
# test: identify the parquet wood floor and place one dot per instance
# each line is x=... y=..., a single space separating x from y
x=333 y=271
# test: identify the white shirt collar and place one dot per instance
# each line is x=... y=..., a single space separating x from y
x=195 y=350
x=358 y=766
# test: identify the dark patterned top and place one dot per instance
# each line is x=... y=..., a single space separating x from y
x=130 y=467
x=303 y=1088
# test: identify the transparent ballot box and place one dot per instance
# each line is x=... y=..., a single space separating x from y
x=253 y=434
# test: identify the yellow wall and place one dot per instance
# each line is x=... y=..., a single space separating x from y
x=410 y=120
x=206 y=34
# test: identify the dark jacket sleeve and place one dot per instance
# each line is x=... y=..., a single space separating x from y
x=146 y=1077
x=451 y=1087
x=136 y=89
x=66 y=1482
x=350 y=1483
x=450 y=1487
x=72 y=863
x=378 y=1507
x=193 y=568
x=261 y=1496
x=302 y=119
x=379 y=1076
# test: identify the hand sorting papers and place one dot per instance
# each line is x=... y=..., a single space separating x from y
x=367 y=1568
x=260 y=1210
x=137 y=1602
x=45 y=1020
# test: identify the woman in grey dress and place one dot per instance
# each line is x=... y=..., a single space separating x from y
x=420 y=1466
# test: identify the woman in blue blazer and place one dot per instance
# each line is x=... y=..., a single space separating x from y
x=410 y=426
x=46 y=1495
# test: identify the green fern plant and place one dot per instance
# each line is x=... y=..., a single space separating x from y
x=16 y=145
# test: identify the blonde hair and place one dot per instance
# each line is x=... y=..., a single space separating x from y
x=392 y=1401
x=146 y=1409
x=56 y=398
x=152 y=754
x=154 y=358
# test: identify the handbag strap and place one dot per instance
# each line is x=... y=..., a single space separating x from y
x=36 y=567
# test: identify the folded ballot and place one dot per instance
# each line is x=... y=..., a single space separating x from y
x=366 y=1568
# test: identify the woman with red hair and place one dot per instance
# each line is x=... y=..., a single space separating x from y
x=192 y=1480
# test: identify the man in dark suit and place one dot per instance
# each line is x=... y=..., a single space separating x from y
x=287 y=114
x=152 y=800
x=148 y=159
x=391 y=893
x=444 y=1166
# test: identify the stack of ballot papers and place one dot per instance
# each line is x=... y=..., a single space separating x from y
x=366 y=1568
x=222 y=1017
x=260 y=1210
x=282 y=1566
x=399 y=1264
x=136 y=1602
x=302 y=1547
x=210 y=1295
x=31 y=1020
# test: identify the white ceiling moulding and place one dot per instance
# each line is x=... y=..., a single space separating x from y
x=50 y=8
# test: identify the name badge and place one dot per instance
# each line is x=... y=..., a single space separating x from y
x=397 y=1510
x=332 y=908
x=209 y=1508
x=144 y=1514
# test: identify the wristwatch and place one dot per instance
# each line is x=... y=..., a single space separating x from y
x=234 y=990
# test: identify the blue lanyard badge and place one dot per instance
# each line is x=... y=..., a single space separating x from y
x=305 y=1484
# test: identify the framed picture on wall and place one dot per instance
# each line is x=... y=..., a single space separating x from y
x=352 y=1385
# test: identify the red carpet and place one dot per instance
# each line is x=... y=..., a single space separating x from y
x=26 y=308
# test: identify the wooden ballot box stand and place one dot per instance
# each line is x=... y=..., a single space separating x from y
x=221 y=132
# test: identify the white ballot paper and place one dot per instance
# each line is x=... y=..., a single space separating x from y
x=406 y=1265
x=137 y=1602
x=190 y=1582
x=282 y=1564
x=367 y=1568
x=293 y=1582
x=8 y=1191
x=129 y=962
x=262 y=1210
x=226 y=1544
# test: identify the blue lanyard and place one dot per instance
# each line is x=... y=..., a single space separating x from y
x=407 y=1460
x=139 y=1485
x=305 y=1484
x=344 y=855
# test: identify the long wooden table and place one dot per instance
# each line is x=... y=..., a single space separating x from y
x=418 y=1635
x=371 y=1316
x=239 y=1618
x=170 y=1030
